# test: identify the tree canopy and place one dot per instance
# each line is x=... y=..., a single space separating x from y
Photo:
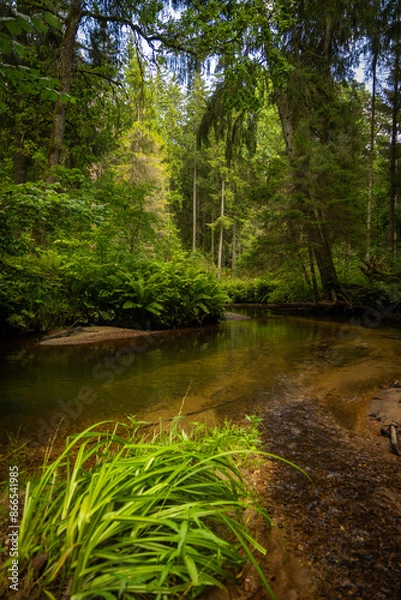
x=236 y=131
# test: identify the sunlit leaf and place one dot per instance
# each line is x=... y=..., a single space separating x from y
x=39 y=24
x=52 y=20
x=20 y=49
x=13 y=26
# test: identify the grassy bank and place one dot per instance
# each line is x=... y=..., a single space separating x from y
x=122 y=515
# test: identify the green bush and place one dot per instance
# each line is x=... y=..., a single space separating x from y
x=47 y=290
x=30 y=299
x=292 y=291
x=374 y=294
x=77 y=253
x=34 y=215
x=147 y=293
x=255 y=290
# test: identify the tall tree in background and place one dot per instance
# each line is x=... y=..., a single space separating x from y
x=65 y=74
x=392 y=18
x=374 y=33
x=316 y=42
x=303 y=50
x=198 y=96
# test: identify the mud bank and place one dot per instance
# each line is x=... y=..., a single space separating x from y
x=343 y=529
x=102 y=333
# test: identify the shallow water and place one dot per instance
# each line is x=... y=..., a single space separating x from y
x=225 y=371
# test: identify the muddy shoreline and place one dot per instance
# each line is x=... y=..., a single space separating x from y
x=92 y=334
x=338 y=536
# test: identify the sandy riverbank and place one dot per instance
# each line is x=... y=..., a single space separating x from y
x=90 y=335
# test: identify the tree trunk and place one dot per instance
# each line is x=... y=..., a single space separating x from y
x=395 y=110
x=286 y=121
x=212 y=244
x=316 y=230
x=328 y=32
x=234 y=257
x=65 y=76
x=19 y=167
x=323 y=256
x=313 y=274
x=393 y=158
x=220 y=251
x=395 y=231
x=20 y=162
x=194 y=204
x=371 y=153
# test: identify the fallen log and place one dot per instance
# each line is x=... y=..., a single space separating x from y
x=283 y=305
x=288 y=307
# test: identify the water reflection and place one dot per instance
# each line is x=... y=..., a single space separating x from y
x=226 y=368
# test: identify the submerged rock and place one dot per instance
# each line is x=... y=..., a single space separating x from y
x=230 y=316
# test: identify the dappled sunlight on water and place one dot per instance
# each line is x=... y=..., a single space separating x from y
x=228 y=371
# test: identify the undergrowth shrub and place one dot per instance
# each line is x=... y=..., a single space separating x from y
x=80 y=253
x=255 y=290
x=37 y=294
x=149 y=294
x=120 y=515
x=375 y=294
x=30 y=300
x=292 y=291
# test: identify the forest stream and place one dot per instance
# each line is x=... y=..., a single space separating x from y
x=312 y=382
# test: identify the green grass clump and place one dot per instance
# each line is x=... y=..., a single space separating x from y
x=118 y=515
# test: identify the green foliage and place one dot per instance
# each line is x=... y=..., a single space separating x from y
x=34 y=215
x=255 y=290
x=24 y=78
x=32 y=294
x=122 y=516
x=295 y=290
x=260 y=290
x=375 y=294
x=192 y=295
x=47 y=290
x=136 y=125
x=149 y=294
x=72 y=252
x=293 y=203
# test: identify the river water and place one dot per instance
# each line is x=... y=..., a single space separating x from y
x=226 y=371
